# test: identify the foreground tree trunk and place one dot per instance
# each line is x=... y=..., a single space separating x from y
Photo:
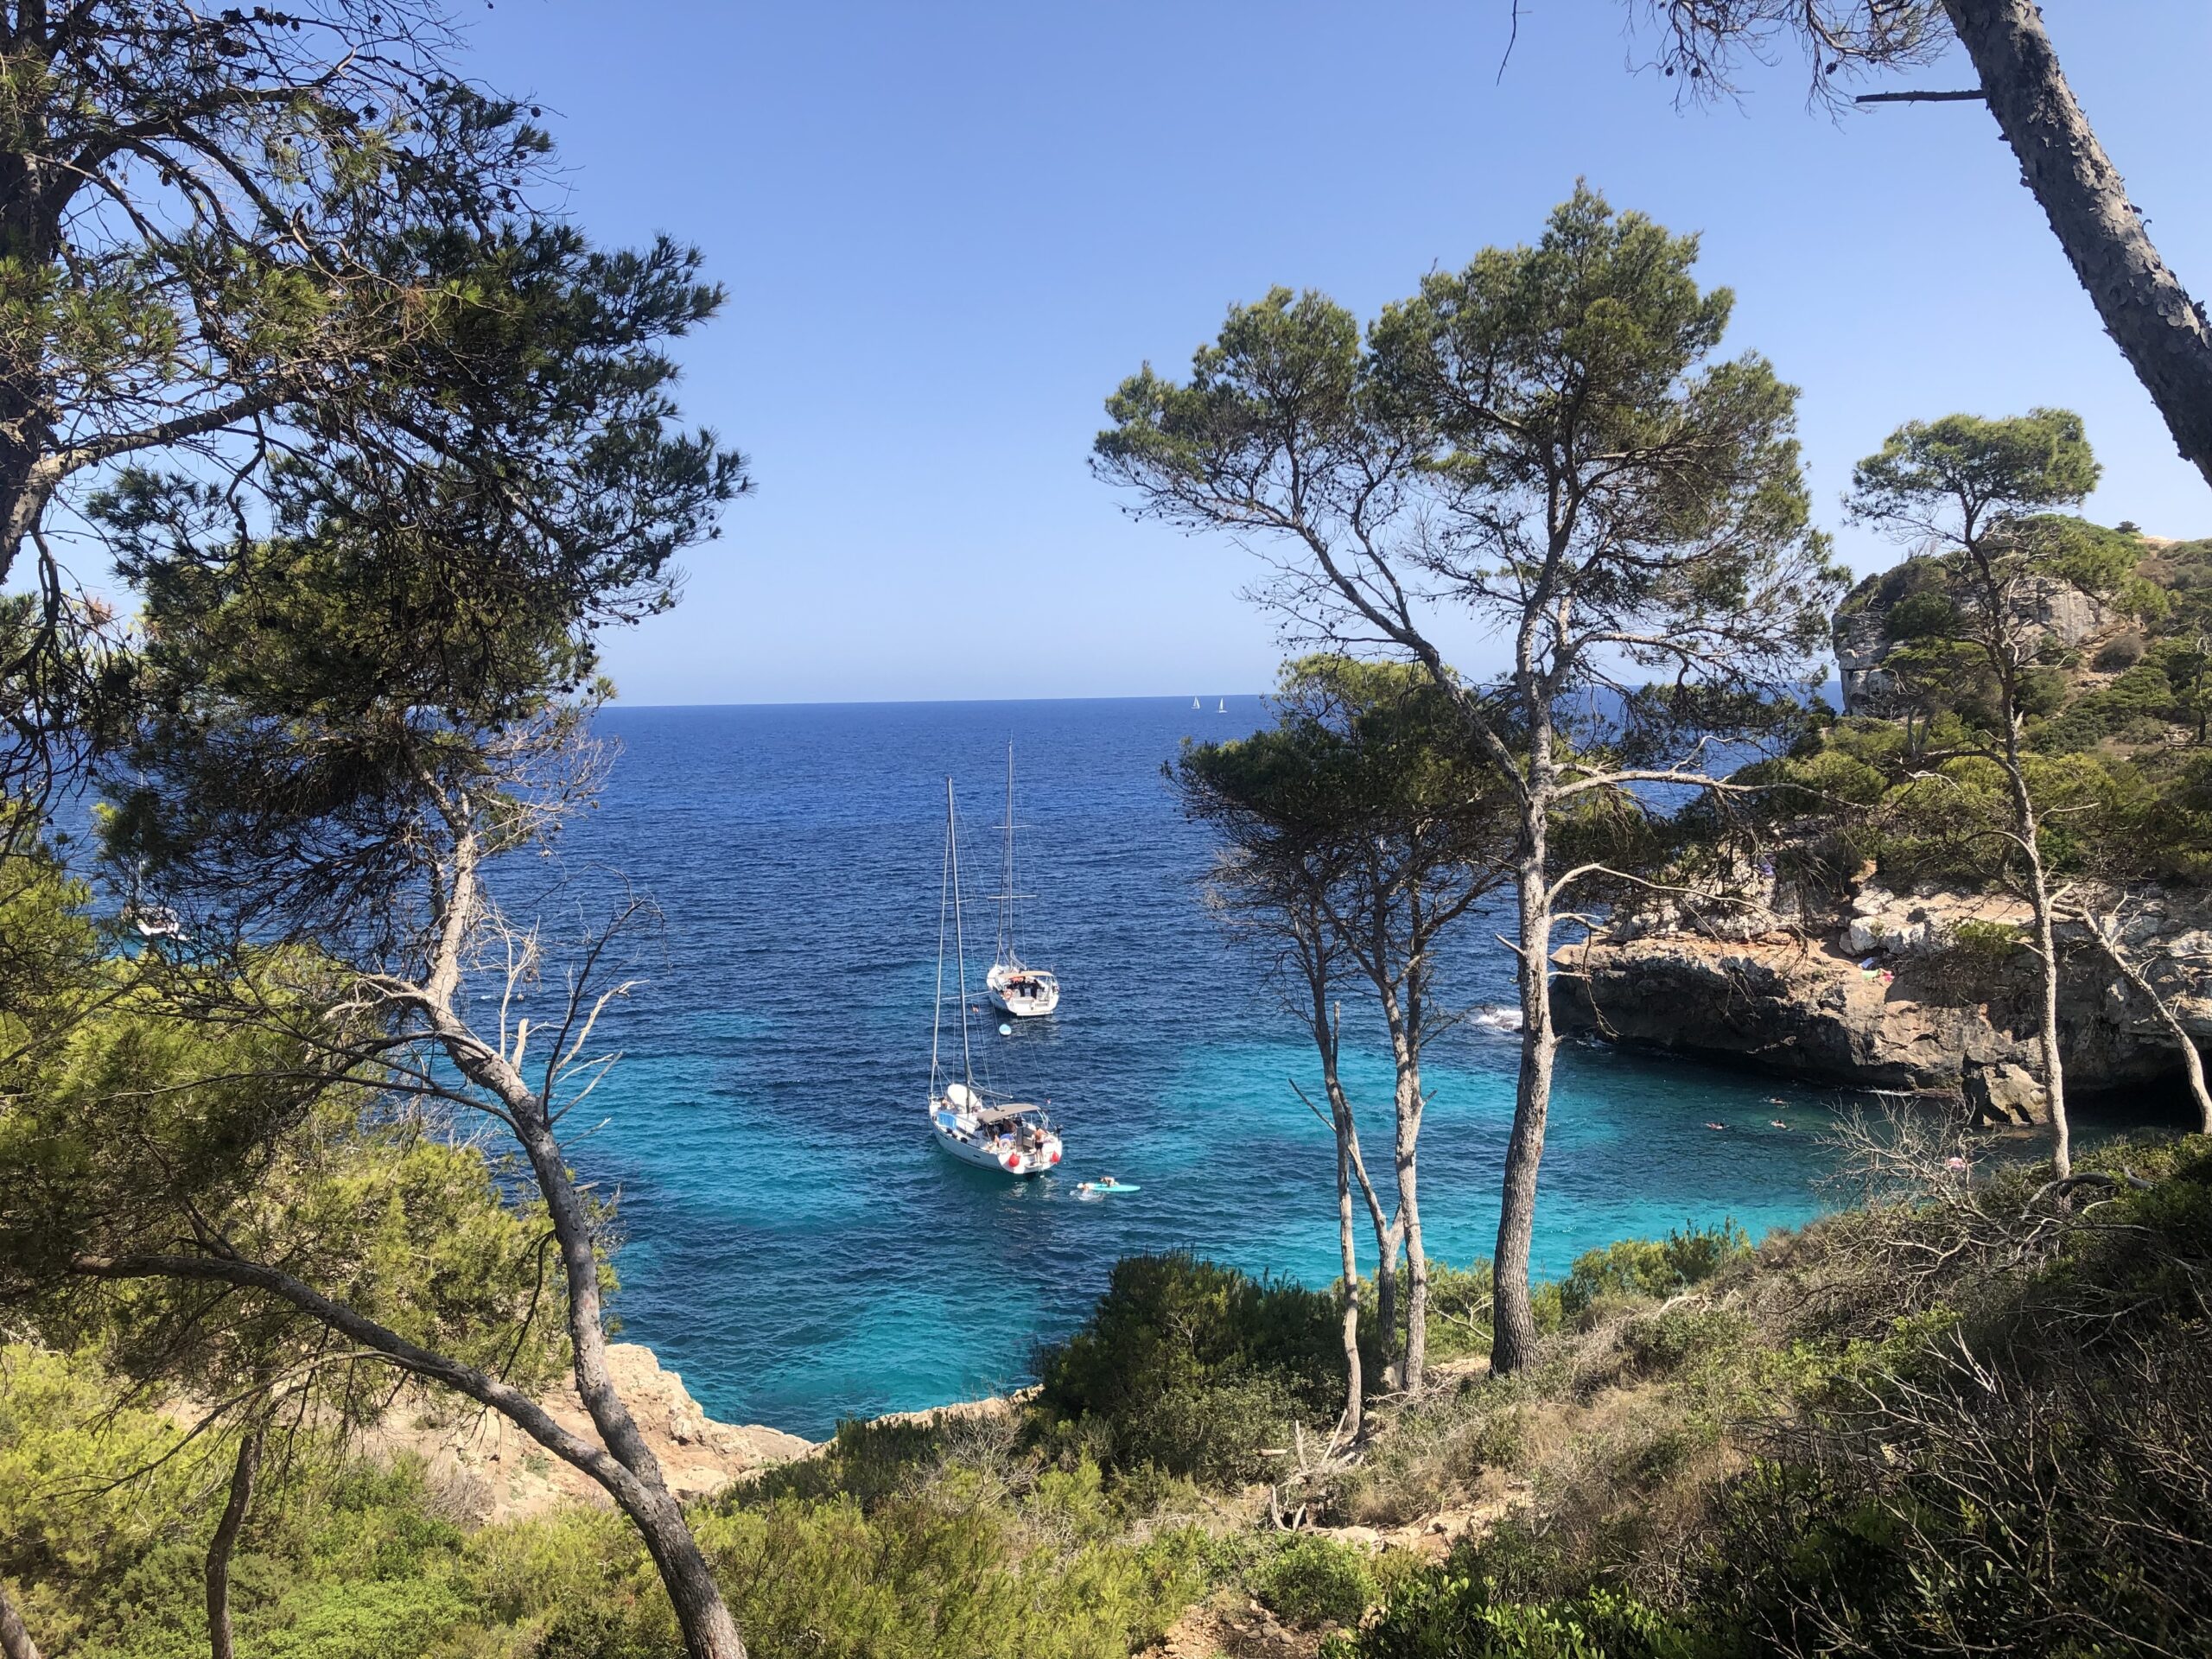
x=225 y=1542
x=14 y=1641
x=1355 y=1401
x=1416 y=1360
x=1513 y=1338
x=1352 y=1167
x=2054 y=1067
x=709 y=1632
x=2150 y=316
x=1404 y=1018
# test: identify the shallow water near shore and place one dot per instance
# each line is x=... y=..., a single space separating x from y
x=798 y=1249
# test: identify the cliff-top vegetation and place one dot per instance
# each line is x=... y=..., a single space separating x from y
x=1967 y=1414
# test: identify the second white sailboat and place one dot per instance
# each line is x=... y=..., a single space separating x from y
x=1026 y=993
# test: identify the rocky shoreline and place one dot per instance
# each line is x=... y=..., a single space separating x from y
x=1889 y=992
x=490 y=1471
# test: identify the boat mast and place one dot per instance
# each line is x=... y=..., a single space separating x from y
x=959 y=940
x=944 y=895
x=1006 y=888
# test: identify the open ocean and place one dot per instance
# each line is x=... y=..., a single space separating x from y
x=797 y=1247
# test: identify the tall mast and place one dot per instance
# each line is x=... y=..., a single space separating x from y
x=1006 y=883
x=959 y=941
x=944 y=898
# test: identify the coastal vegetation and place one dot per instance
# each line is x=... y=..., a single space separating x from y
x=377 y=444
x=1357 y=835
x=1967 y=1412
x=1545 y=444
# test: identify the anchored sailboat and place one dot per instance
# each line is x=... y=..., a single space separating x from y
x=973 y=1125
x=1022 y=991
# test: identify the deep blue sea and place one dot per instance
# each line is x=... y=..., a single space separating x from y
x=795 y=1244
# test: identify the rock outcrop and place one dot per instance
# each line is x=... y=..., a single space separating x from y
x=2042 y=608
x=1903 y=992
x=491 y=1471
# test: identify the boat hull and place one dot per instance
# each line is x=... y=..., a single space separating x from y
x=953 y=1131
x=1024 y=992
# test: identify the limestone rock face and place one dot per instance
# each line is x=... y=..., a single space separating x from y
x=2041 y=607
x=1890 y=999
x=491 y=1471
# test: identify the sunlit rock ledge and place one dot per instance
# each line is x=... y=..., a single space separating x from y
x=1889 y=994
x=490 y=1471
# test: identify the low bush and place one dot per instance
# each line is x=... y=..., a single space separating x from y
x=1194 y=1368
x=1449 y=1615
x=1316 y=1581
x=1653 y=1267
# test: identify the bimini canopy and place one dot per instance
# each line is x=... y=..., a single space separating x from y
x=1006 y=1113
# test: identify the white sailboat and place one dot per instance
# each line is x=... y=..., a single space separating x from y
x=1224 y=707
x=974 y=1126
x=1194 y=702
x=1026 y=993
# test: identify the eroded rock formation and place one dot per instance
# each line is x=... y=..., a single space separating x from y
x=1911 y=992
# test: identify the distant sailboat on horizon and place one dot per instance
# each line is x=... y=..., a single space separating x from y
x=1224 y=707
x=1195 y=703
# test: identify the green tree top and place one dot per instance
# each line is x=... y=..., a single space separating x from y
x=1949 y=480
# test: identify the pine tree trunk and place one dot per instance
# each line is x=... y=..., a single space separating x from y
x=1386 y=1306
x=1513 y=1340
x=2192 y=1062
x=2054 y=1068
x=709 y=1632
x=28 y=238
x=2159 y=329
x=14 y=1641
x=1349 y=1166
x=1416 y=1359
x=1347 y=1244
x=225 y=1542
x=1400 y=1016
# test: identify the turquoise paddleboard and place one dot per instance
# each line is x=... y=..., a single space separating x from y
x=1101 y=1188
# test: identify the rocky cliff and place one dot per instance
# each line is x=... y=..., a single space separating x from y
x=1896 y=991
x=2041 y=609
x=489 y=1470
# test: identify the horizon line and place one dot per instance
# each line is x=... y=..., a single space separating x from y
x=901 y=703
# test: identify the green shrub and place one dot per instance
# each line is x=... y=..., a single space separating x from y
x=1217 y=1432
x=946 y=1574
x=1195 y=1367
x=1652 y=1268
x=1929 y=614
x=1449 y=1615
x=1315 y=1581
x=359 y=1618
x=866 y=1460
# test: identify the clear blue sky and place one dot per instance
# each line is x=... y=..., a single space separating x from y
x=948 y=229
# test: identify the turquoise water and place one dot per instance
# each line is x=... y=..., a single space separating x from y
x=795 y=1246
